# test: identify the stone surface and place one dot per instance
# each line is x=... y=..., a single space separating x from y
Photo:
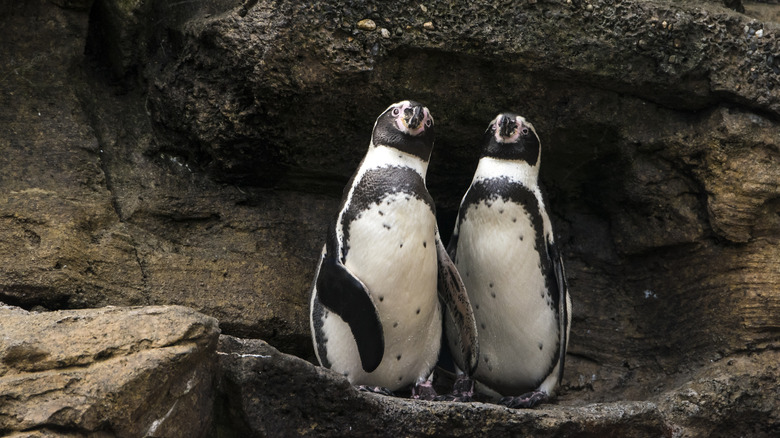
x=267 y=393
x=659 y=121
x=325 y=70
x=89 y=217
x=113 y=371
x=196 y=153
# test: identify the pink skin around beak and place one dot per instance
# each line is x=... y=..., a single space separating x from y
x=508 y=130
x=412 y=119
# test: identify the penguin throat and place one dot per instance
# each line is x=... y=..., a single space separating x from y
x=420 y=145
x=519 y=171
x=382 y=156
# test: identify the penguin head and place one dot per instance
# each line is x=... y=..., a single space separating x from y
x=406 y=126
x=511 y=137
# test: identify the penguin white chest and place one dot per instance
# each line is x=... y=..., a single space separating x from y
x=392 y=250
x=500 y=262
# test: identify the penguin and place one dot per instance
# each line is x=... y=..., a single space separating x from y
x=375 y=309
x=504 y=248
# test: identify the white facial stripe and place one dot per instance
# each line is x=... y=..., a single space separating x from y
x=531 y=127
x=399 y=118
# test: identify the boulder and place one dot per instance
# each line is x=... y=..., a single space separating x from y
x=267 y=393
x=90 y=217
x=123 y=372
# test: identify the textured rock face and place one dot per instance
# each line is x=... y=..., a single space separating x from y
x=255 y=375
x=658 y=120
x=197 y=153
x=114 y=371
x=90 y=217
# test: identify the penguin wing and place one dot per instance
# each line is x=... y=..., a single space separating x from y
x=452 y=248
x=456 y=301
x=346 y=296
x=560 y=294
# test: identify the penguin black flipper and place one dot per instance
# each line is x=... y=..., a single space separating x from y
x=347 y=296
x=559 y=276
x=458 y=307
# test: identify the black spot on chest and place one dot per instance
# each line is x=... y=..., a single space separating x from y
x=490 y=190
x=376 y=185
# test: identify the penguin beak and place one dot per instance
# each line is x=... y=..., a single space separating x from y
x=506 y=126
x=413 y=117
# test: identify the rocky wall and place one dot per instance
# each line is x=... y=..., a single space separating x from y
x=192 y=153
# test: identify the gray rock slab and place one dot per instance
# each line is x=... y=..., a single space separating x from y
x=267 y=393
x=124 y=372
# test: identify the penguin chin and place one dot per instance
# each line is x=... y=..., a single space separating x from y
x=507 y=140
x=400 y=123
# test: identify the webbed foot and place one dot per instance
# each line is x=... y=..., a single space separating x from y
x=462 y=390
x=424 y=391
x=527 y=400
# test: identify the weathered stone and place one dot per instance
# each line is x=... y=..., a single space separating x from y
x=366 y=24
x=203 y=166
x=700 y=58
x=90 y=217
x=265 y=392
x=73 y=4
x=113 y=371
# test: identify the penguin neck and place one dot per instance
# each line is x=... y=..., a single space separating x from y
x=516 y=170
x=385 y=156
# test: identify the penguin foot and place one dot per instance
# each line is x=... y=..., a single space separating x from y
x=375 y=389
x=462 y=390
x=424 y=391
x=527 y=400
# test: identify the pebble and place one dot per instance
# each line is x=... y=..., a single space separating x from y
x=428 y=25
x=759 y=33
x=366 y=24
x=385 y=33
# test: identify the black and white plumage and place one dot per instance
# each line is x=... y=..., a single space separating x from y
x=375 y=313
x=504 y=248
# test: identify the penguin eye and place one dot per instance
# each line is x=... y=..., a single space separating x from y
x=428 y=123
x=396 y=112
x=524 y=131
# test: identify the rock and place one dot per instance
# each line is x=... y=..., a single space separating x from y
x=691 y=64
x=92 y=215
x=317 y=402
x=731 y=4
x=197 y=154
x=366 y=24
x=74 y=4
x=111 y=371
x=660 y=157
